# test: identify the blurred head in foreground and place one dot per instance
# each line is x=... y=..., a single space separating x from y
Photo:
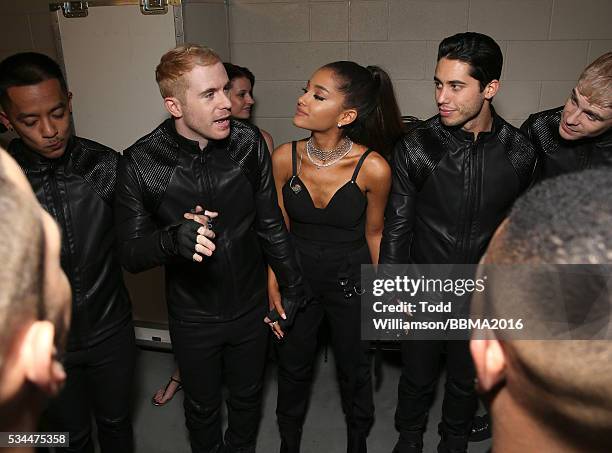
x=34 y=302
x=549 y=394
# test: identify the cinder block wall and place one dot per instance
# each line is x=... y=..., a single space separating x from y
x=546 y=44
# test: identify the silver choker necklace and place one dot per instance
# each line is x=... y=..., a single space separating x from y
x=321 y=158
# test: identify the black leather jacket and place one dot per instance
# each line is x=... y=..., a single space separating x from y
x=450 y=193
x=560 y=156
x=162 y=176
x=77 y=190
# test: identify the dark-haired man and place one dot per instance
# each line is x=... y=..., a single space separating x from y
x=551 y=394
x=579 y=134
x=74 y=180
x=455 y=176
x=34 y=303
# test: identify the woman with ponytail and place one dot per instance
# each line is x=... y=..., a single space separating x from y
x=332 y=189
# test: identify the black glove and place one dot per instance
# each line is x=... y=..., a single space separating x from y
x=184 y=238
x=291 y=306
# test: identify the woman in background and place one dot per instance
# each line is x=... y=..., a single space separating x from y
x=241 y=94
x=333 y=189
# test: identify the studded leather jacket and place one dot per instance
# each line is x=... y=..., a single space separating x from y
x=77 y=189
x=162 y=176
x=450 y=193
x=560 y=156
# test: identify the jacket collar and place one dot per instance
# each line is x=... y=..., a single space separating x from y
x=32 y=160
x=464 y=136
x=184 y=143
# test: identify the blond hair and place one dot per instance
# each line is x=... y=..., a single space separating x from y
x=175 y=63
x=595 y=82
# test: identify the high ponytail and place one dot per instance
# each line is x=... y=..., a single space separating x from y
x=370 y=92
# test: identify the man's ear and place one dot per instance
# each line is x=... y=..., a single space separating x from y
x=174 y=106
x=5 y=121
x=490 y=361
x=347 y=117
x=70 y=101
x=491 y=89
x=37 y=356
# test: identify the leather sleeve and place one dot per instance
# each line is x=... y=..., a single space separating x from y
x=272 y=231
x=400 y=211
x=141 y=245
x=538 y=167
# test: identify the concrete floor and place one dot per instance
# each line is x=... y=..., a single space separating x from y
x=162 y=429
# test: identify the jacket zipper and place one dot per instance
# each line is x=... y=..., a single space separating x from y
x=61 y=219
x=472 y=174
x=209 y=196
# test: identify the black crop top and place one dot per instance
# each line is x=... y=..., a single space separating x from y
x=342 y=220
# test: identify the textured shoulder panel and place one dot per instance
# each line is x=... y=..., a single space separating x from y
x=520 y=152
x=543 y=130
x=154 y=158
x=244 y=149
x=425 y=142
x=96 y=164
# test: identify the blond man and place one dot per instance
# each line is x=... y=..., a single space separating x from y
x=579 y=134
x=197 y=196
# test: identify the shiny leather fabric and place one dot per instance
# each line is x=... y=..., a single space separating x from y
x=560 y=156
x=450 y=193
x=77 y=190
x=162 y=176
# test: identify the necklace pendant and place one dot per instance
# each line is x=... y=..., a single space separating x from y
x=296 y=188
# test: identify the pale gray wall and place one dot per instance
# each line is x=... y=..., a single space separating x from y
x=546 y=43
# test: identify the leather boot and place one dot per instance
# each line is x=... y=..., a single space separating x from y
x=290 y=441
x=450 y=443
x=356 y=442
x=409 y=442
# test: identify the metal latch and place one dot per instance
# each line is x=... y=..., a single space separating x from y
x=72 y=9
x=154 y=6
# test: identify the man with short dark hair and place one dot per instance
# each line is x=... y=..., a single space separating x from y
x=74 y=180
x=202 y=161
x=579 y=134
x=34 y=303
x=548 y=393
x=455 y=176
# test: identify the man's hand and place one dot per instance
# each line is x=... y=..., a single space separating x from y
x=194 y=235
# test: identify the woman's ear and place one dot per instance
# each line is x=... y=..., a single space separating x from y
x=347 y=117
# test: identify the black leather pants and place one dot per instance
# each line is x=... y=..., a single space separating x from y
x=211 y=355
x=297 y=350
x=99 y=380
x=422 y=361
